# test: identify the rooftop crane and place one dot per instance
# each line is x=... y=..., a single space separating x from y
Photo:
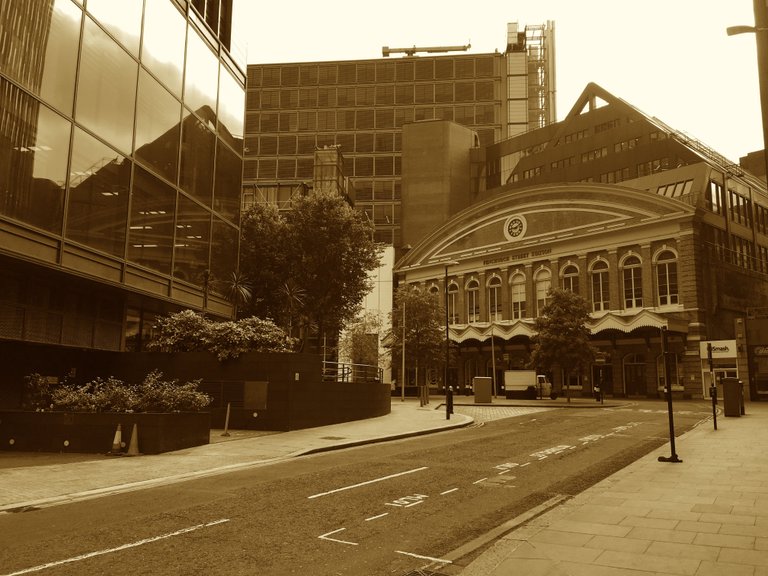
x=386 y=50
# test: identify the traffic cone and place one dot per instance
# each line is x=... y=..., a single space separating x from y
x=133 y=447
x=117 y=443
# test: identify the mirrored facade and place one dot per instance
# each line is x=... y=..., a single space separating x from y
x=121 y=139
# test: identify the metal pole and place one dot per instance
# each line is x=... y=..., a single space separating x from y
x=402 y=384
x=761 y=40
x=668 y=386
x=226 y=422
x=447 y=335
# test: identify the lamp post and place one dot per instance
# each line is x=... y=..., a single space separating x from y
x=760 y=30
x=402 y=371
x=447 y=322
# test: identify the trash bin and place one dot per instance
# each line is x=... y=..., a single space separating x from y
x=482 y=387
x=731 y=396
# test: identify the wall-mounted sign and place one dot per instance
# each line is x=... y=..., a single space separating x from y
x=720 y=349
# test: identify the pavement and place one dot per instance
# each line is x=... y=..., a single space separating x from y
x=704 y=516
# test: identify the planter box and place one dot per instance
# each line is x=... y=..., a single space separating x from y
x=93 y=433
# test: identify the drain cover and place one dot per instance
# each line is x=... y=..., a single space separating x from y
x=332 y=438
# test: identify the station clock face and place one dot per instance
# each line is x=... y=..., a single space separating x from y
x=514 y=227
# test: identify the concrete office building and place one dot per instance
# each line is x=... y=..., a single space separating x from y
x=120 y=160
x=361 y=106
x=659 y=233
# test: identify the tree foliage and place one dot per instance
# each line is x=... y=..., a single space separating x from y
x=424 y=328
x=309 y=266
x=359 y=342
x=187 y=331
x=562 y=337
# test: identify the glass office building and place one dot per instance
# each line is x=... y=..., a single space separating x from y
x=121 y=131
x=292 y=109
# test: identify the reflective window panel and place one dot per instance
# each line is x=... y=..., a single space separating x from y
x=163 y=48
x=231 y=110
x=226 y=196
x=34 y=145
x=197 y=150
x=150 y=233
x=223 y=255
x=158 y=115
x=121 y=19
x=99 y=181
x=107 y=88
x=193 y=231
x=39 y=41
x=201 y=80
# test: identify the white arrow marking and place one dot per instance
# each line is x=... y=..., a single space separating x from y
x=325 y=537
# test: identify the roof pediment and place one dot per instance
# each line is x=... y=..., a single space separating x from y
x=519 y=218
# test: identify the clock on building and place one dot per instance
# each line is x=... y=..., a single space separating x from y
x=514 y=227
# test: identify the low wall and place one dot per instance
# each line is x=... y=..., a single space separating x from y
x=264 y=391
x=94 y=432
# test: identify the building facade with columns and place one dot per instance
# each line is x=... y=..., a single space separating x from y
x=666 y=240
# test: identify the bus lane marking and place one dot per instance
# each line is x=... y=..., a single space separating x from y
x=367 y=482
x=135 y=544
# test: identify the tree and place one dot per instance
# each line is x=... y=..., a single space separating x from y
x=360 y=340
x=562 y=337
x=311 y=264
x=424 y=328
x=263 y=259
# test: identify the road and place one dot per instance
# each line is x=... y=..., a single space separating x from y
x=427 y=503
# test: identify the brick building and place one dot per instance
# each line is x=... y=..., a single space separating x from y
x=657 y=232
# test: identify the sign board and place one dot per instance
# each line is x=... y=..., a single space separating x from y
x=720 y=349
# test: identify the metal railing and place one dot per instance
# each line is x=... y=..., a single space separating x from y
x=342 y=372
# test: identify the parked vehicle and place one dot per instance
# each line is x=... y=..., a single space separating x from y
x=528 y=384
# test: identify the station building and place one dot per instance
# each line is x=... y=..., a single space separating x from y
x=121 y=131
x=666 y=240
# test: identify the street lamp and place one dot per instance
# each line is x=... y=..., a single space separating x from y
x=760 y=30
x=447 y=322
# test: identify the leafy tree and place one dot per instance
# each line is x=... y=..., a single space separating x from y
x=264 y=254
x=562 y=337
x=424 y=328
x=187 y=331
x=309 y=266
x=360 y=340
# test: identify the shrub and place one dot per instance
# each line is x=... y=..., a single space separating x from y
x=187 y=331
x=112 y=395
x=37 y=392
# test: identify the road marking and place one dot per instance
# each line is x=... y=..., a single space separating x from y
x=481 y=480
x=367 y=482
x=411 y=554
x=448 y=491
x=325 y=537
x=117 y=548
x=377 y=517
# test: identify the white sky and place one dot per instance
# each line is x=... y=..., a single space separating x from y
x=670 y=58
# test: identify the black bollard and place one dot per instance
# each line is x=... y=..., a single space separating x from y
x=448 y=402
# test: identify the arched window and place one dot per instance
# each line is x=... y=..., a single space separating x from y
x=666 y=276
x=473 y=301
x=543 y=283
x=600 y=286
x=517 y=296
x=434 y=291
x=632 y=274
x=571 y=278
x=453 y=310
x=494 y=299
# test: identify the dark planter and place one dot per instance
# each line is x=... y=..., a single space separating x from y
x=94 y=432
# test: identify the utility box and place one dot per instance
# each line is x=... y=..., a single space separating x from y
x=482 y=386
x=731 y=396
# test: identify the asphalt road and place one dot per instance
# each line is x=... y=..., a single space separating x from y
x=427 y=503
